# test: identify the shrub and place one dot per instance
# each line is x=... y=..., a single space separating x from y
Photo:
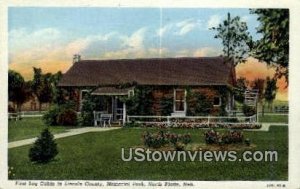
x=61 y=115
x=232 y=136
x=166 y=106
x=67 y=117
x=212 y=137
x=157 y=140
x=186 y=139
x=50 y=117
x=179 y=146
x=89 y=105
x=132 y=124
x=249 y=110
x=199 y=104
x=154 y=140
x=44 y=148
x=141 y=102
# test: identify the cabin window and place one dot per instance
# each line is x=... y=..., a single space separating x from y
x=179 y=100
x=217 y=101
x=131 y=93
x=83 y=95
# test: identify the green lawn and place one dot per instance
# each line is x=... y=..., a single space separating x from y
x=97 y=156
x=274 y=118
x=29 y=128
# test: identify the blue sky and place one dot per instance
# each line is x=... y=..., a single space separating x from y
x=48 y=37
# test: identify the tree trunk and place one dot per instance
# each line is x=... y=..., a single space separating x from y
x=19 y=106
x=271 y=106
x=40 y=106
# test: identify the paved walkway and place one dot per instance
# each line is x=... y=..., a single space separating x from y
x=70 y=132
x=266 y=126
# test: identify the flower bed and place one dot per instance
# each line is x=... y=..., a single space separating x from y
x=229 y=137
x=196 y=125
x=161 y=138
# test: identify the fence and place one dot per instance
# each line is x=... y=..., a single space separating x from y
x=192 y=120
x=26 y=114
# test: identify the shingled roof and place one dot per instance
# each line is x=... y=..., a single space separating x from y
x=153 y=71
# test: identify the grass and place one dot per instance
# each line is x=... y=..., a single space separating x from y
x=274 y=118
x=280 y=103
x=29 y=128
x=97 y=156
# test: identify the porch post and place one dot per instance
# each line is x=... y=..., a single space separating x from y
x=124 y=113
x=115 y=99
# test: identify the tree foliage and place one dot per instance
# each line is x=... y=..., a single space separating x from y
x=44 y=87
x=90 y=104
x=239 y=93
x=18 y=89
x=270 y=91
x=44 y=148
x=249 y=110
x=259 y=84
x=198 y=104
x=61 y=114
x=166 y=106
x=235 y=38
x=141 y=102
x=273 y=47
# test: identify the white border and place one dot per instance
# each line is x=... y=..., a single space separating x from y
x=294 y=86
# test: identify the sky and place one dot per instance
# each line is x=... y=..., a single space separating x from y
x=49 y=37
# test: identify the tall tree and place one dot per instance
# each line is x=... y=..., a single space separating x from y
x=239 y=93
x=270 y=91
x=260 y=85
x=273 y=47
x=41 y=86
x=58 y=93
x=18 y=89
x=235 y=38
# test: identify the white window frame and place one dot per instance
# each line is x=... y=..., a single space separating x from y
x=184 y=101
x=220 y=101
x=131 y=93
x=80 y=97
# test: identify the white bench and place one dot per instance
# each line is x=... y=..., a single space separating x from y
x=103 y=118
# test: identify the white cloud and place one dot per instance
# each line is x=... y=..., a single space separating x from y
x=180 y=28
x=81 y=44
x=201 y=52
x=186 y=26
x=136 y=40
x=213 y=21
x=161 y=31
x=206 y=51
x=245 y=18
x=50 y=49
x=49 y=44
x=22 y=39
